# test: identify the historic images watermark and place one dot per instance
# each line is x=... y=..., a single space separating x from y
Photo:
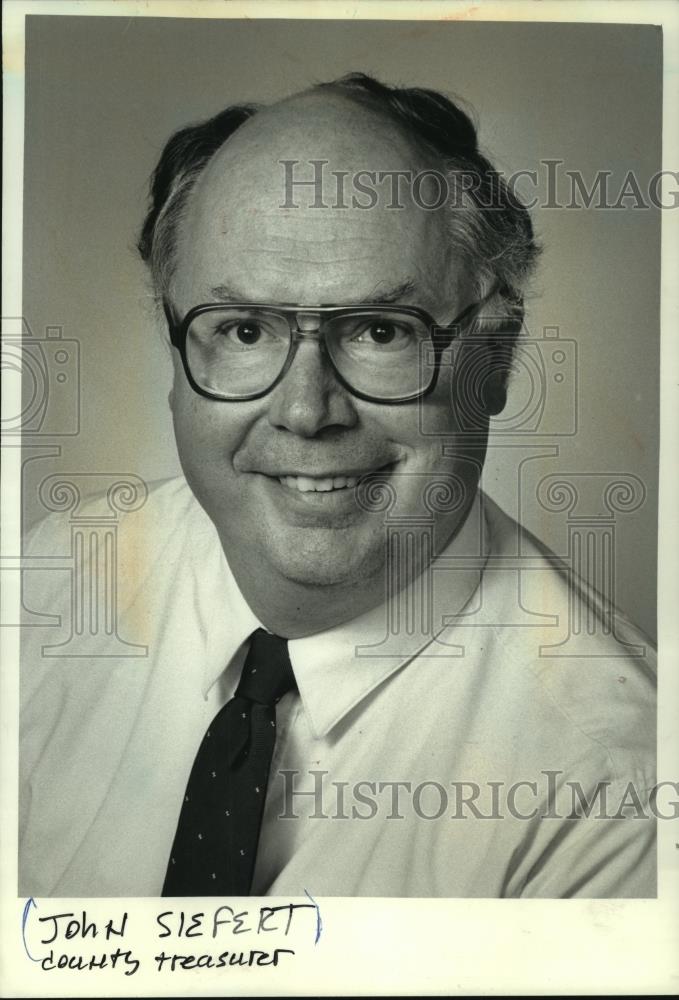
x=553 y=186
x=548 y=796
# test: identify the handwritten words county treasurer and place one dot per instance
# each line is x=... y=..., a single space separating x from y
x=60 y=940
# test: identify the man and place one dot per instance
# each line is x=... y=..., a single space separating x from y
x=336 y=695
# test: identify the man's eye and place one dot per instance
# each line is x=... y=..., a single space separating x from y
x=382 y=332
x=246 y=333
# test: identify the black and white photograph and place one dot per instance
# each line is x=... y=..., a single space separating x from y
x=333 y=358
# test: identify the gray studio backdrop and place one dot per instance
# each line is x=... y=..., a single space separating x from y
x=103 y=95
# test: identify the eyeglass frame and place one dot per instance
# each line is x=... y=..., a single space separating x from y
x=441 y=338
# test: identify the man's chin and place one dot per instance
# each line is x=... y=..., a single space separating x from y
x=320 y=560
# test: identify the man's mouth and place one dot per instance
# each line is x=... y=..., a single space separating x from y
x=312 y=484
x=329 y=483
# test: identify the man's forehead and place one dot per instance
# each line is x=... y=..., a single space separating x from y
x=285 y=231
x=311 y=137
x=240 y=221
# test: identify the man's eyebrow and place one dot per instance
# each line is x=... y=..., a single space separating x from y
x=395 y=294
x=224 y=293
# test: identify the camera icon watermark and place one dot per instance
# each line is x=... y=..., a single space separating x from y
x=542 y=384
x=48 y=370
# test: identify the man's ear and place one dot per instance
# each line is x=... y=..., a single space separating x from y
x=500 y=357
x=495 y=393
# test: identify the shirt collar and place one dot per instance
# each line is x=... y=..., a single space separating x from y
x=233 y=623
x=336 y=669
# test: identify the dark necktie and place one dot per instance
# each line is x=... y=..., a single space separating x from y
x=215 y=845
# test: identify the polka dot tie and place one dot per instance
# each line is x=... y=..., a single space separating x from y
x=215 y=845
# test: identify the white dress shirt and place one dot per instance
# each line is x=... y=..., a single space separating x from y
x=462 y=704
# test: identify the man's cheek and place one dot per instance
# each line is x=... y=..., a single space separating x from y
x=197 y=425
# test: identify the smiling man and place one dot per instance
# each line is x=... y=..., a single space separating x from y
x=276 y=473
x=314 y=709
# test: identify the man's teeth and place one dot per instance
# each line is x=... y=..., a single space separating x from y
x=305 y=484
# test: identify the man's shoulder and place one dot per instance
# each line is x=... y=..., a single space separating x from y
x=138 y=539
x=161 y=509
x=546 y=590
x=565 y=646
x=105 y=580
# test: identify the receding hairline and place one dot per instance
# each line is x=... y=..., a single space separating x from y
x=251 y=139
x=438 y=130
x=420 y=153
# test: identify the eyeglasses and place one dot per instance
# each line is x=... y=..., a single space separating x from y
x=380 y=353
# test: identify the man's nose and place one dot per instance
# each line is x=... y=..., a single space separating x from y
x=309 y=399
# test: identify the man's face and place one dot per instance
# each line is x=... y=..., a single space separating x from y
x=251 y=463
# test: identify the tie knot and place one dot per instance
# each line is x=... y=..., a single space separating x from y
x=267 y=672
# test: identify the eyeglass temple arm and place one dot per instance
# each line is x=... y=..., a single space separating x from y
x=466 y=317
